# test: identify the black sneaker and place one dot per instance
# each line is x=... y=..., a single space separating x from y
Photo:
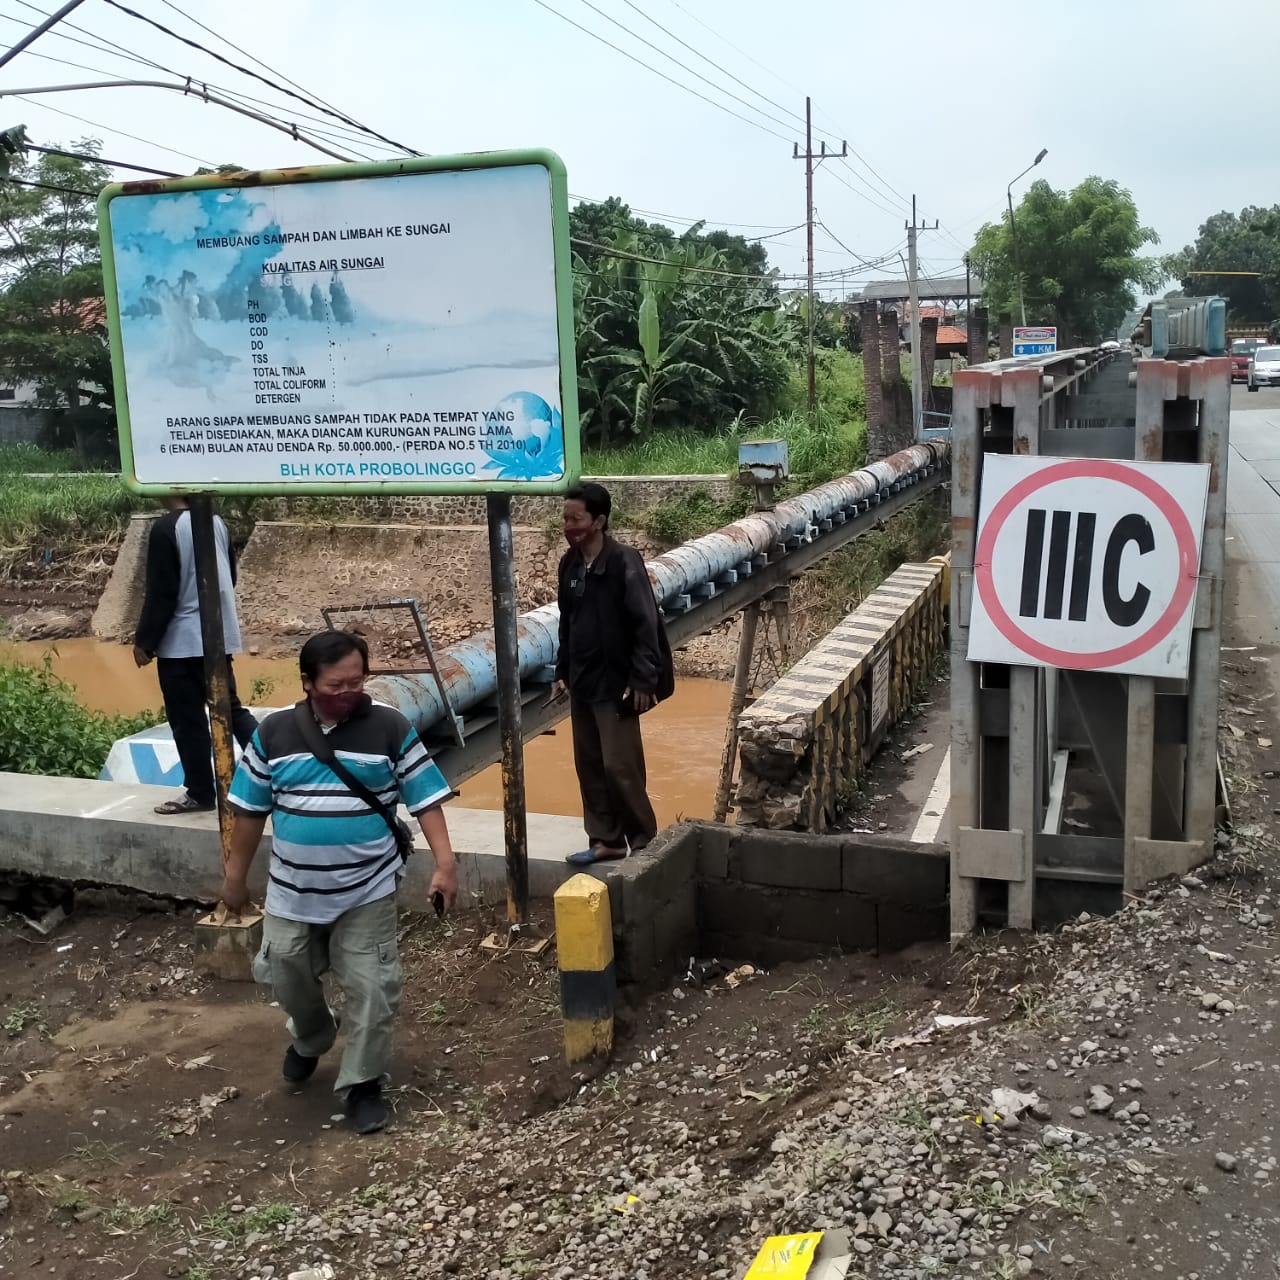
x=298 y=1068
x=367 y=1107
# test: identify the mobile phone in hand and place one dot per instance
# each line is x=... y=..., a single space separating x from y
x=437 y=901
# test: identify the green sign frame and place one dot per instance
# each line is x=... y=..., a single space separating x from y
x=563 y=267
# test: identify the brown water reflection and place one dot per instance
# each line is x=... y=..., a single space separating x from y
x=106 y=678
x=682 y=742
x=683 y=737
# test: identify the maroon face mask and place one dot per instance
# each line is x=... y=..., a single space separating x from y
x=336 y=707
x=576 y=537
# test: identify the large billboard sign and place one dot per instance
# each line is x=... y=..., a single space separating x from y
x=364 y=328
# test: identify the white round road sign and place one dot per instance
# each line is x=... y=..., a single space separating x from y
x=1087 y=564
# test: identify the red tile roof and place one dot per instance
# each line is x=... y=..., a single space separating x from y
x=949 y=335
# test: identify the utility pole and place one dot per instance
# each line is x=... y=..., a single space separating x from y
x=809 y=166
x=913 y=291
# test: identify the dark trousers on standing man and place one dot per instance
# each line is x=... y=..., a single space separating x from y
x=609 y=756
x=186 y=699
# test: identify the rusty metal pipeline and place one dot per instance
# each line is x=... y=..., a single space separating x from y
x=468 y=670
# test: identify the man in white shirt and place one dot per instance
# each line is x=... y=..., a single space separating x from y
x=169 y=631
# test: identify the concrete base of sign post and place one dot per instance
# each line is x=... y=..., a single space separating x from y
x=224 y=946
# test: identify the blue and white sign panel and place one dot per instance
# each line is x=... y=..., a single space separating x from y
x=1034 y=339
x=151 y=757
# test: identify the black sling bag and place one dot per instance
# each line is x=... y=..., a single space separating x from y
x=319 y=746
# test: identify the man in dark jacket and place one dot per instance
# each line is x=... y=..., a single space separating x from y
x=169 y=631
x=612 y=664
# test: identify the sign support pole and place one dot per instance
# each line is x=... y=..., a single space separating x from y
x=216 y=672
x=507 y=659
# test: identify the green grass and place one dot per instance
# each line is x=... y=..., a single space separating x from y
x=131 y=1218
x=235 y=1226
x=846 y=577
x=819 y=447
x=20 y=1017
x=18 y=459
x=37 y=511
x=44 y=729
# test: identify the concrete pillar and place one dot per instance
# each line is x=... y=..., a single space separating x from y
x=928 y=355
x=979 y=336
x=1006 y=336
x=872 y=374
x=897 y=431
x=890 y=359
x=120 y=605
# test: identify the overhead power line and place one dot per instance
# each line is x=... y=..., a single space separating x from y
x=94 y=124
x=750 y=106
x=52 y=186
x=333 y=132
x=92 y=159
x=795 y=115
x=33 y=35
x=863 y=195
x=889 y=189
x=773 y=277
x=195 y=44
x=102 y=45
x=755 y=124
x=217 y=35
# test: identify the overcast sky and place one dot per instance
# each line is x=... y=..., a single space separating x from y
x=1166 y=96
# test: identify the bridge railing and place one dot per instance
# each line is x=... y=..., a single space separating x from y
x=805 y=743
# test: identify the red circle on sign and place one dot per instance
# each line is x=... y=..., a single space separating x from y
x=1089 y=469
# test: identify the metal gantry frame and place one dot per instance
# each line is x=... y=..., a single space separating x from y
x=1029 y=742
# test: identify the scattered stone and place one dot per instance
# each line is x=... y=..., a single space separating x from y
x=1099 y=1099
x=1225 y=1162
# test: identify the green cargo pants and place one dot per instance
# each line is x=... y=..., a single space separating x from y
x=360 y=949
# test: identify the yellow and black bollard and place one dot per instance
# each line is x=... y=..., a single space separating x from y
x=588 y=985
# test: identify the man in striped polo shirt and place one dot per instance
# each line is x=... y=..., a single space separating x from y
x=331 y=889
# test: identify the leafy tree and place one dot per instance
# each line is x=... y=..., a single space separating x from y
x=52 y=321
x=1247 y=241
x=1077 y=253
x=671 y=329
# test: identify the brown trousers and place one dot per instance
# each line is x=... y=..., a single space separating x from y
x=609 y=756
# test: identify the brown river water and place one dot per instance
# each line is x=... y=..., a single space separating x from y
x=683 y=737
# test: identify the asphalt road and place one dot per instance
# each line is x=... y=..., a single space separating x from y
x=1264 y=398
x=1253 y=520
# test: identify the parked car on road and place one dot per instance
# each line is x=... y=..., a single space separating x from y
x=1241 y=350
x=1264 y=368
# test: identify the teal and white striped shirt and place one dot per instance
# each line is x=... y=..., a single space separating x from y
x=330 y=852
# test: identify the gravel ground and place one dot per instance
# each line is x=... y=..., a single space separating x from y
x=1113 y=1112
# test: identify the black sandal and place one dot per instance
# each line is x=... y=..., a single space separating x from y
x=187 y=804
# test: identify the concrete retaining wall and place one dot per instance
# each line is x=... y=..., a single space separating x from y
x=804 y=743
x=699 y=889
x=106 y=833
x=707 y=890
x=332 y=551
x=634 y=495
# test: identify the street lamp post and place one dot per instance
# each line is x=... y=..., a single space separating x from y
x=1013 y=230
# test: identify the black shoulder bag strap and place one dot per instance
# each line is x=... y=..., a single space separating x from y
x=320 y=747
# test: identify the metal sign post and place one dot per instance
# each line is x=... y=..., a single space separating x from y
x=216 y=673
x=506 y=645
